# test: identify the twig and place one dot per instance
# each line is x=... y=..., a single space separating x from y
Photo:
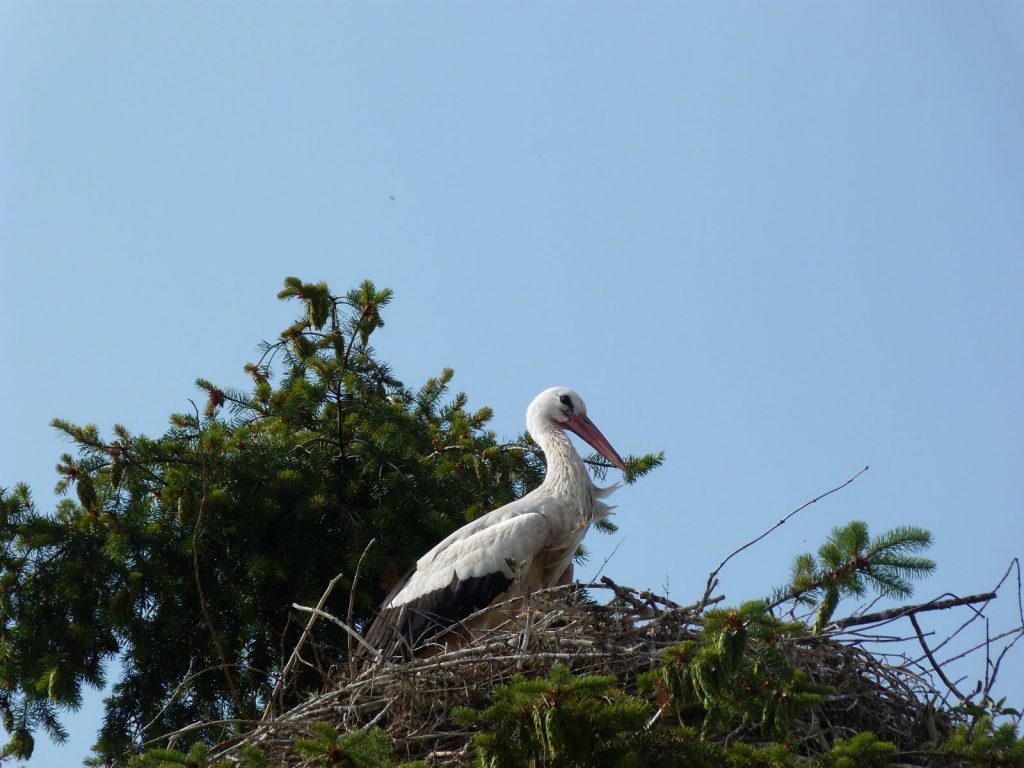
x=995 y=668
x=528 y=619
x=189 y=677
x=623 y=594
x=378 y=716
x=652 y=598
x=935 y=665
x=199 y=581
x=1015 y=631
x=713 y=576
x=352 y=633
x=1014 y=564
x=976 y=613
x=198 y=726
x=910 y=610
x=352 y=604
x=605 y=561
x=298 y=647
x=700 y=605
x=673 y=609
x=174 y=694
x=445 y=660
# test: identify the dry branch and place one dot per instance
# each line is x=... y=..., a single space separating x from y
x=713 y=576
x=909 y=610
x=298 y=646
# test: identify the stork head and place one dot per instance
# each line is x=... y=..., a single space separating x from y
x=564 y=409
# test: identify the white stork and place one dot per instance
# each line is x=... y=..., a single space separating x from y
x=531 y=540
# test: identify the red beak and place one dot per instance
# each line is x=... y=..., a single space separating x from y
x=586 y=429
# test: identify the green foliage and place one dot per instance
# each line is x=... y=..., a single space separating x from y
x=198 y=757
x=182 y=554
x=850 y=562
x=252 y=757
x=987 y=707
x=361 y=749
x=984 y=742
x=736 y=672
x=562 y=721
x=861 y=751
x=772 y=755
x=685 y=747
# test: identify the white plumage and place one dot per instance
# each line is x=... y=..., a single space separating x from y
x=531 y=541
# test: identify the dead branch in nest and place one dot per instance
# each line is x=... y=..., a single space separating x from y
x=298 y=646
x=935 y=665
x=909 y=610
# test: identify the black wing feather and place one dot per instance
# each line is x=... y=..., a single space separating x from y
x=404 y=628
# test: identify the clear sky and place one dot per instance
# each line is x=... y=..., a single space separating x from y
x=778 y=241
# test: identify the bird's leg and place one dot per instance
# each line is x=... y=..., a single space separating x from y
x=519 y=572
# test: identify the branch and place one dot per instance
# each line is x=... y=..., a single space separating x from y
x=609 y=557
x=189 y=677
x=987 y=642
x=651 y=597
x=358 y=638
x=352 y=603
x=197 y=726
x=199 y=582
x=909 y=610
x=935 y=665
x=624 y=594
x=1014 y=564
x=713 y=576
x=976 y=614
x=298 y=646
x=995 y=667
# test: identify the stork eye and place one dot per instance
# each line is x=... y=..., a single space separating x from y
x=566 y=401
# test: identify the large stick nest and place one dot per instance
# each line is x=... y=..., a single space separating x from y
x=624 y=637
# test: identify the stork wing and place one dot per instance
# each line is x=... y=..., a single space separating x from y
x=528 y=503
x=463 y=574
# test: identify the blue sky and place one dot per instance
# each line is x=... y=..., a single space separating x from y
x=778 y=241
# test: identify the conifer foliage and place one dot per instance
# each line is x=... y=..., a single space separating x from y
x=850 y=563
x=179 y=556
x=563 y=721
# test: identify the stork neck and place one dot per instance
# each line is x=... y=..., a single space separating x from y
x=566 y=469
